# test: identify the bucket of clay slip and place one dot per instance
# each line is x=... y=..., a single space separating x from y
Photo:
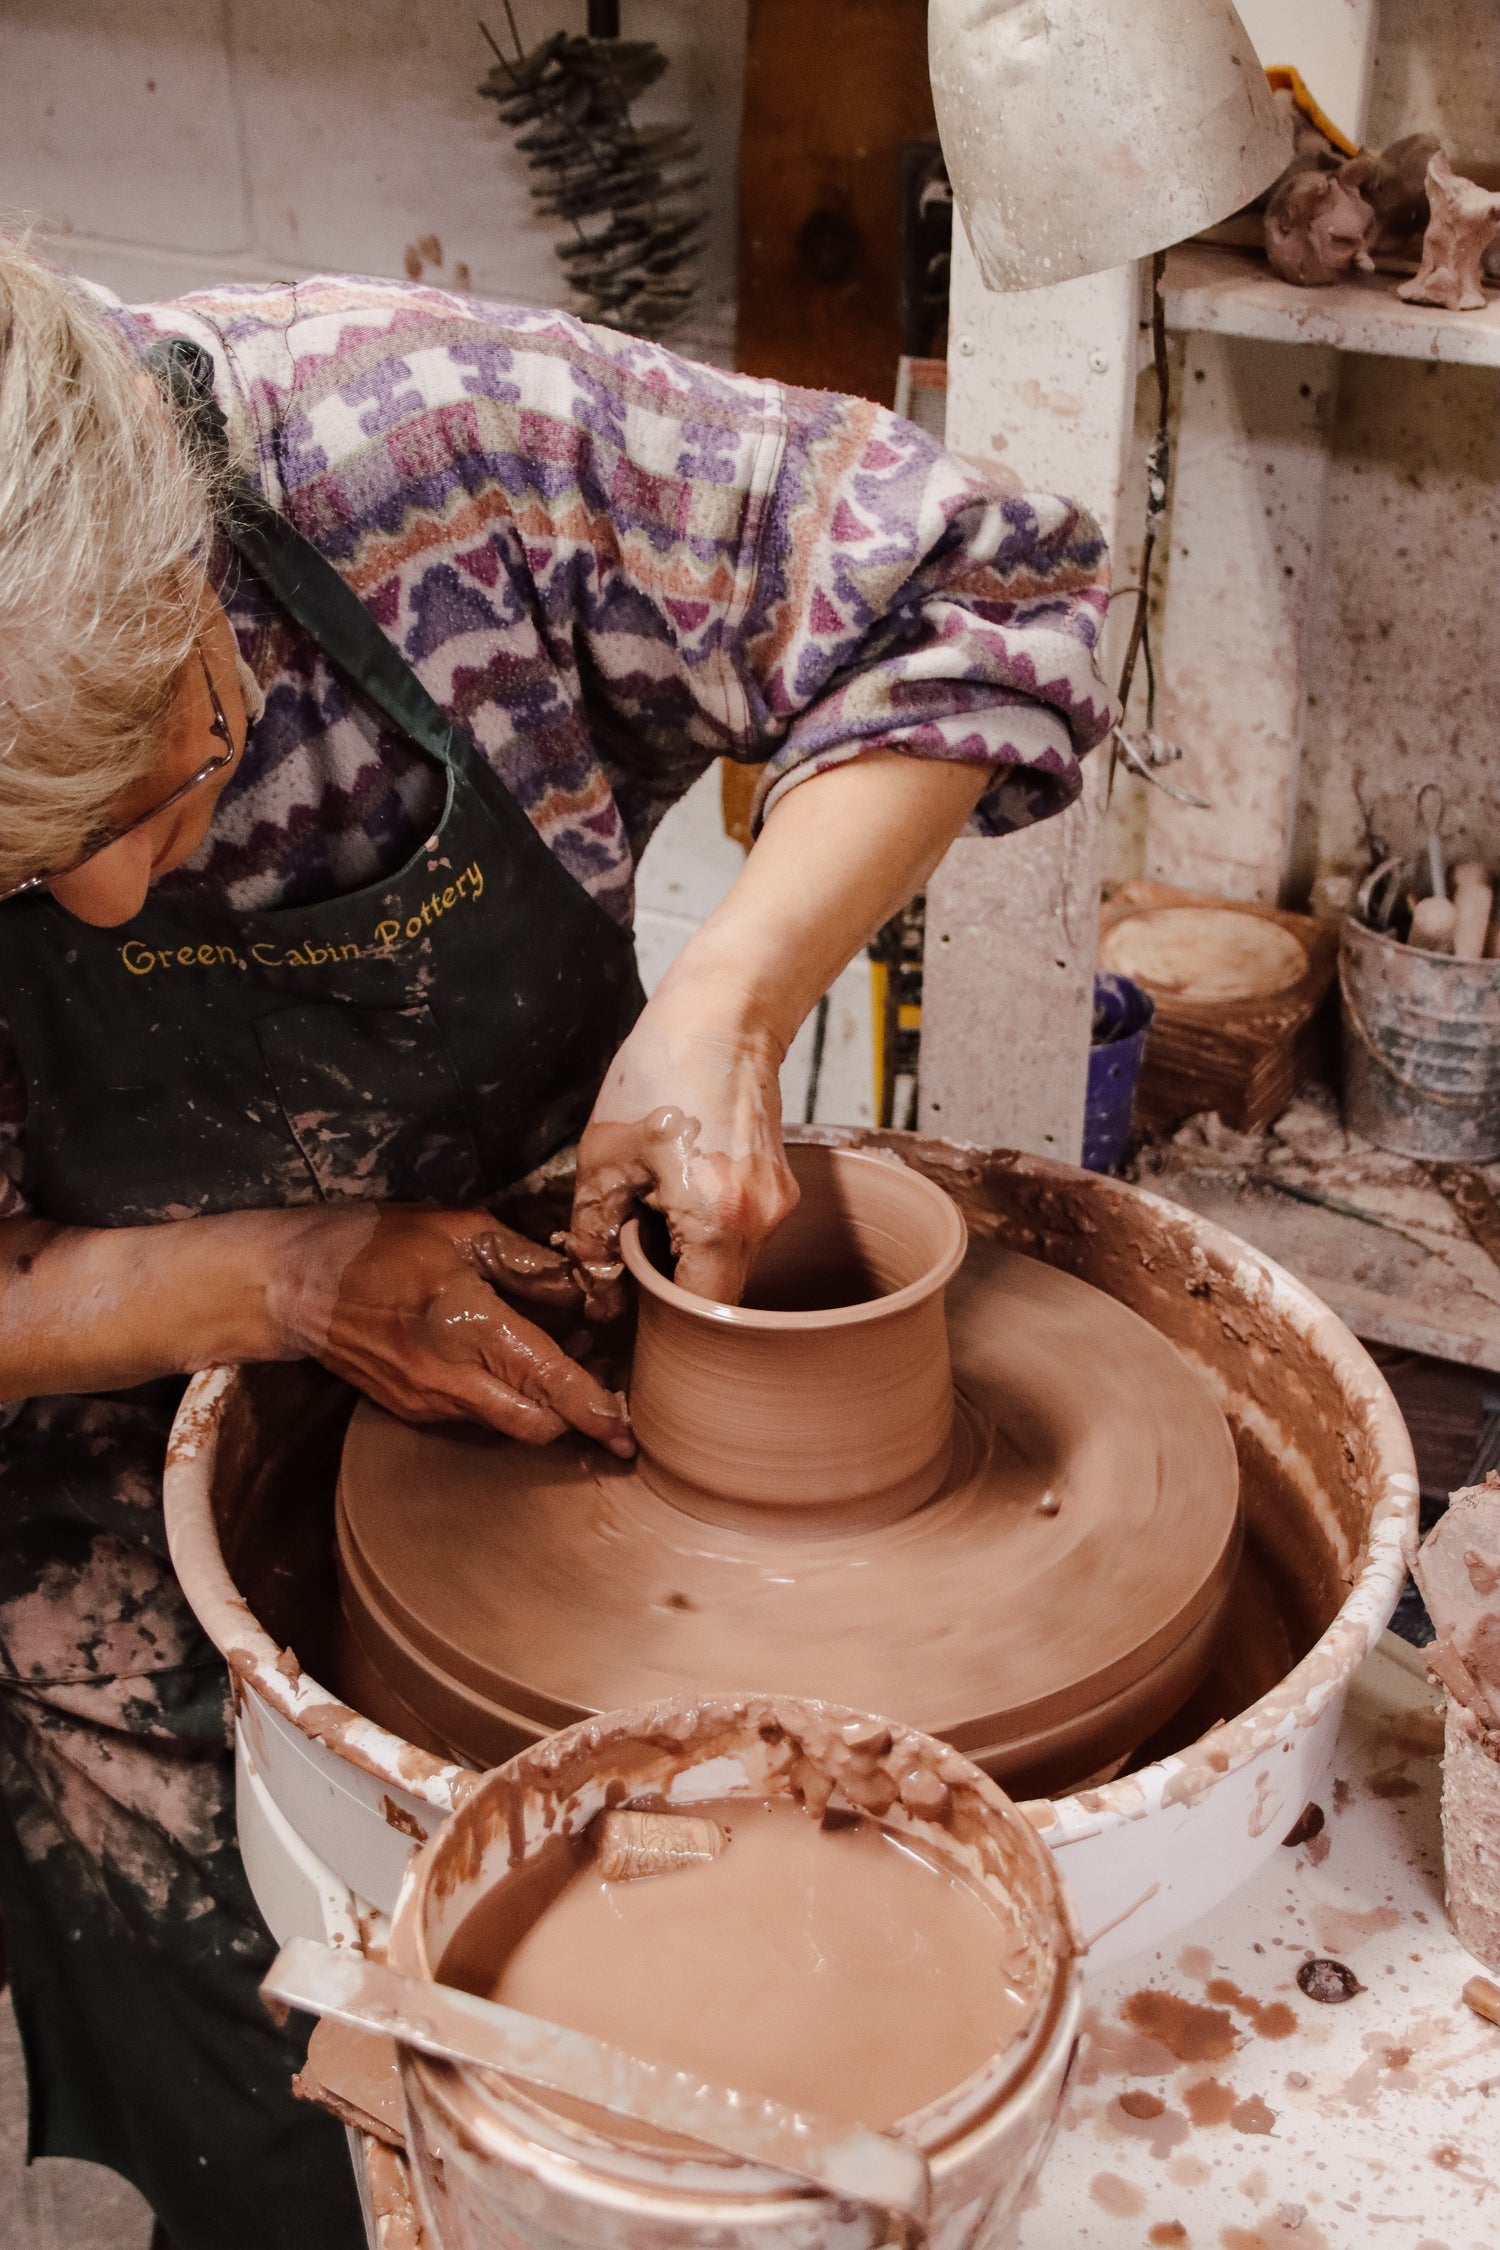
x=1421 y=1049
x=826 y=1396
x=495 y=2167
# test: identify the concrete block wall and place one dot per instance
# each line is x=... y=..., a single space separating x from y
x=162 y=144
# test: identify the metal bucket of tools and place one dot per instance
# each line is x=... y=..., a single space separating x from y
x=1421 y=1048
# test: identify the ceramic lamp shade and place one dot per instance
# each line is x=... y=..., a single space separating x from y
x=1080 y=136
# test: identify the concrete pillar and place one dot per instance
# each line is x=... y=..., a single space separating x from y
x=1043 y=385
x=1250 y=476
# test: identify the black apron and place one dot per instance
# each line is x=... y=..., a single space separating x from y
x=432 y=1037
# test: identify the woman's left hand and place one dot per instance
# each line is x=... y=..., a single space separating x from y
x=689 y=1121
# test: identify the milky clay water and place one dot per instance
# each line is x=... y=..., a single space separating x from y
x=825 y=1964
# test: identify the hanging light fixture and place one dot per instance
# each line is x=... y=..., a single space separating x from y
x=1082 y=134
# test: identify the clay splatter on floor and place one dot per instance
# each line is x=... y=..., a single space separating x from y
x=1112 y=2050
x=1395 y=1782
x=1272 y=2019
x=1137 y=2115
x=1190 y=2032
x=1340 y=1929
x=1138 y=2103
x=1209 y=2102
x=1121 y=2198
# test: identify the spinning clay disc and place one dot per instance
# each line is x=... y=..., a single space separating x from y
x=1046 y=1610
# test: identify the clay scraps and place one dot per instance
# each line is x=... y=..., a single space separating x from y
x=1332 y=213
x=1318 y=224
x=1465 y=221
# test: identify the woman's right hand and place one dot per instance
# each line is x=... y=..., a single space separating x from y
x=412 y=1306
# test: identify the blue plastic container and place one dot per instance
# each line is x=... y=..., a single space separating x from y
x=1122 y=1018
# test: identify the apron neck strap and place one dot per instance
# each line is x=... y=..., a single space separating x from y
x=304 y=582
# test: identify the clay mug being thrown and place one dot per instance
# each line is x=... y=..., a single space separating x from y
x=823 y=1403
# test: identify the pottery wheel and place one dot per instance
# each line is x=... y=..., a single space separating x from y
x=1045 y=1612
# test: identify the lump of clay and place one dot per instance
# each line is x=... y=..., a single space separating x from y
x=1318 y=224
x=1465 y=220
x=1395 y=187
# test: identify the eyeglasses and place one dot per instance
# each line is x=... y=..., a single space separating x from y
x=102 y=838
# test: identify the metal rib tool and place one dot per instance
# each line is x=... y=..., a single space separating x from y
x=847 y=2161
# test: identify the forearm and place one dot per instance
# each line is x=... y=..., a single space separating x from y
x=838 y=855
x=102 y=1308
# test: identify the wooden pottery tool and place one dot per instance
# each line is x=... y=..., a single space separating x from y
x=1434 y=922
x=1429 y=818
x=852 y=2163
x=1471 y=919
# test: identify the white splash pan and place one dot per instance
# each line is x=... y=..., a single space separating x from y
x=1330 y=1490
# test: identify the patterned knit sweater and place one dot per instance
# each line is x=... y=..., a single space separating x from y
x=614 y=566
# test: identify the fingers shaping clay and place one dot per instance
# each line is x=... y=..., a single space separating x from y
x=998 y=1506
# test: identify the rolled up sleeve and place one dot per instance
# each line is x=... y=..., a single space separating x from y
x=904 y=603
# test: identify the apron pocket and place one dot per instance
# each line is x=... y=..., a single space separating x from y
x=373 y=1102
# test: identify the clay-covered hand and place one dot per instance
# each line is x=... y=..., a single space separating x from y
x=412 y=1305
x=689 y=1121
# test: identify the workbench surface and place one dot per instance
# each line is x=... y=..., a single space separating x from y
x=1369 y=2125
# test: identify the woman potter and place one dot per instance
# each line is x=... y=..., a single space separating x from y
x=354 y=637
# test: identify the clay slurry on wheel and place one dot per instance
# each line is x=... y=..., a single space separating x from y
x=1046 y=1610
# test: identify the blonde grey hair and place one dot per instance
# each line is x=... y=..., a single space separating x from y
x=105 y=528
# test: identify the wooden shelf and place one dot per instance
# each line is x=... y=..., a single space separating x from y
x=1233 y=293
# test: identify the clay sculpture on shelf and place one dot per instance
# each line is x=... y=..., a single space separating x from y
x=1331 y=214
x=1318 y=224
x=1464 y=222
